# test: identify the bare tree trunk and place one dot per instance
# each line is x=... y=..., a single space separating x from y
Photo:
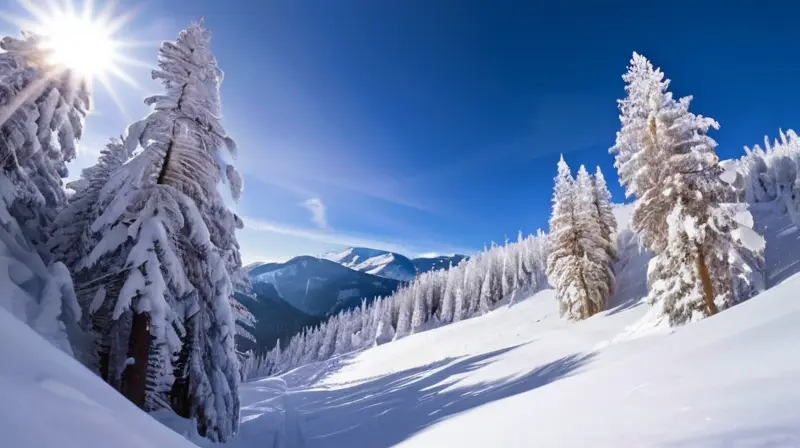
x=134 y=378
x=705 y=278
x=587 y=309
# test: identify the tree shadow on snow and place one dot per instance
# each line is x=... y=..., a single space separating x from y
x=386 y=410
x=624 y=305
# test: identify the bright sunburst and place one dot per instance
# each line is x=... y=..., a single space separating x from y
x=84 y=41
x=80 y=43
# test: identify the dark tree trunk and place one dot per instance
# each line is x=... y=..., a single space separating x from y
x=179 y=395
x=103 y=359
x=134 y=378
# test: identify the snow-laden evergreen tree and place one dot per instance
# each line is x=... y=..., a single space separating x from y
x=405 y=304
x=597 y=272
x=41 y=121
x=449 y=299
x=42 y=107
x=168 y=224
x=485 y=299
x=575 y=265
x=385 y=331
x=605 y=214
x=637 y=153
x=666 y=159
x=328 y=339
x=344 y=335
x=420 y=311
x=71 y=239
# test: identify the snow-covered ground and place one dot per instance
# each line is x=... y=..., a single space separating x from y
x=47 y=399
x=520 y=376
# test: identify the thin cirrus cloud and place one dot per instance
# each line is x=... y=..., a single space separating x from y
x=294 y=167
x=344 y=239
x=317 y=209
x=336 y=238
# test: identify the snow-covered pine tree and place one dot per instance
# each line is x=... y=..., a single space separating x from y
x=524 y=275
x=596 y=267
x=605 y=213
x=572 y=266
x=485 y=301
x=179 y=250
x=328 y=339
x=449 y=298
x=637 y=151
x=385 y=331
x=420 y=310
x=562 y=261
x=667 y=160
x=344 y=334
x=41 y=101
x=38 y=101
x=71 y=238
x=404 y=299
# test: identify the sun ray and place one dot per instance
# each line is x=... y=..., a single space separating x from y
x=81 y=36
x=34 y=10
x=104 y=81
x=121 y=20
x=137 y=44
x=114 y=70
x=33 y=89
x=88 y=8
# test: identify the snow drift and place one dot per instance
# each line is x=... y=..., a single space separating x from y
x=49 y=399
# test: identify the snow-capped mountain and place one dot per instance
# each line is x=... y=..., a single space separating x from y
x=376 y=262
x=253 y=265
x=318 y=286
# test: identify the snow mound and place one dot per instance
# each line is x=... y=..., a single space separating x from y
x=49 y=399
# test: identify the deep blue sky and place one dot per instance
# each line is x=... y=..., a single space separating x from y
x=436 y=125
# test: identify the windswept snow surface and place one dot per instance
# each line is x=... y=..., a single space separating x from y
x=47 y=399
x=521 y=377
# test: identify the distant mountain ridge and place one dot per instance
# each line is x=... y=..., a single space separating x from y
x=320 y=287
x=376 y=262
x=306 y=290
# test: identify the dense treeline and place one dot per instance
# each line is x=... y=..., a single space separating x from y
x=472 y=288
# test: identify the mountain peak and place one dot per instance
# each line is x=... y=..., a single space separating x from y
x=375 y=261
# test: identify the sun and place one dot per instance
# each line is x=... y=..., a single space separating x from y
x=83 y=40
x=79 y=43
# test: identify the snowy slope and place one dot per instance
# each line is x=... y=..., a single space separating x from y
x=375 y=262
x=47 y=399
x=522 y=377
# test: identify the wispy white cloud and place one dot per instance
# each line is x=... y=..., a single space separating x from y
x=328 y=237
x=318 y=212
x=346 y=239
x=304 y=169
